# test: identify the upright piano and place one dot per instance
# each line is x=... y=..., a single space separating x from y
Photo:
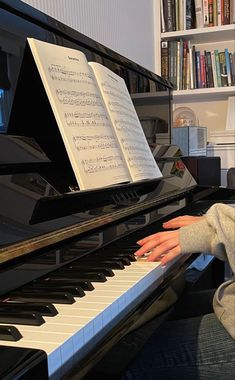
x=70 y=286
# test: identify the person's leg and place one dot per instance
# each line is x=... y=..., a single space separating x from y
x=194 y=304
x=196 y=348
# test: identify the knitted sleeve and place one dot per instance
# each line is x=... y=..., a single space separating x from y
x=215 y=234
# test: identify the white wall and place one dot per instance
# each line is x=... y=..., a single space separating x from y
x=126 y=26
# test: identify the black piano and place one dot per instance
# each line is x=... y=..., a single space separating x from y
x=70 y=285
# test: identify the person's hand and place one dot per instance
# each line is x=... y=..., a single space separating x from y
x=181 y=221
x=162 y=246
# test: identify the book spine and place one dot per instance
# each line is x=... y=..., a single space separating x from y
x=228 y=66
x=181 y=63
x=184 y=68
x=164 y=59
x=199 y=13
x=182 y=14
x=214 y=69
x=226 y=11
x=169 y=16
x=174 y=79
x=203 y=70
x=194 y=67
x=171 y=61
x=217 y=65
x=190 y=14
x=215 y=13
x=173 y=11
x=190 y=66
x=223 y=69
x=206 y=12
x=219 y=22
x=178 y=64
x=163 y=24
x=232 y=11
x=177 y=14
x=209 y=69
x=198 y=69
x=210 y=13
x=232 y=67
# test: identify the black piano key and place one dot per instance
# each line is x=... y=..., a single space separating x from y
x=21 y=318
x=112 y=264
x=34 y=295
x=107 y=255
x=82 y=269
x=63 y=281
x=75 y=291
x=92 y=277
x=99 y=260
x=10 y=333
x=48 y=309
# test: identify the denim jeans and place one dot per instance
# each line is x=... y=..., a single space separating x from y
x=197 y=348
x=191 y=346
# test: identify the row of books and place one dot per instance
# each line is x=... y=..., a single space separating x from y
x=189 y=68
x=190 y=14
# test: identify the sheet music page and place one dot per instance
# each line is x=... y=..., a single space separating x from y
x=126 y=124
x=80 y=114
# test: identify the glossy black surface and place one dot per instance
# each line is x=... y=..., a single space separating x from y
x=22 y=364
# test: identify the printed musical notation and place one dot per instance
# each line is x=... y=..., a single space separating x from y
x=139 y=161
x=98 y=142
x=103 y=163
x=78 y=98
x=127 y=127
x=111 y=90
x=64 y=74
x=87 y=120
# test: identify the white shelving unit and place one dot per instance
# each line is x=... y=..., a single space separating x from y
x=209 y=104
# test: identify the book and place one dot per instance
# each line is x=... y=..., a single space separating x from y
x=190 y=17
x=219 y=20
x=210 y=77
x=227 y=60
x=206 y=12
x=217 y=65
x=214 y=74
x=223 y=69
x=96 y=118
x=210 y=13
x=199 y=13
x=164 y=59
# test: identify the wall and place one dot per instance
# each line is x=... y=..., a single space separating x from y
x=126 y=26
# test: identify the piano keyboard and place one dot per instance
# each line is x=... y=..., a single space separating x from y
x=66 y=336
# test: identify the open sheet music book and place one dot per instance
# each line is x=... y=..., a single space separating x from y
x=98 y=123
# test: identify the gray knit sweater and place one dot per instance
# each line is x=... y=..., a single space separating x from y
x=215 y=234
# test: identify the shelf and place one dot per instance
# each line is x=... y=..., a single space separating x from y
x=197 y=95
x=203 y=35
x=201 y=94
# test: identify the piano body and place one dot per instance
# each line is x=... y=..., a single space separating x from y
x=70 y=286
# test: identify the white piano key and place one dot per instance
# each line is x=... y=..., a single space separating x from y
x=76 y=325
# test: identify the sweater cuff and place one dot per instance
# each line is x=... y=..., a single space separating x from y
x=196 y=237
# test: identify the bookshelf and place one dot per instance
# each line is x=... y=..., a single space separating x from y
x=209 y=104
